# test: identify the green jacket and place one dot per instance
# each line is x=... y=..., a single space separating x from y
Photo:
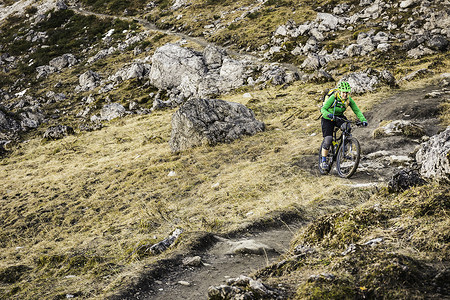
x=341 y=106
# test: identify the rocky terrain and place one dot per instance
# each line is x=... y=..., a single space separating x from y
x=174 y=124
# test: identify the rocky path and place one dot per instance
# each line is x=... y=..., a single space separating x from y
x=228 y=258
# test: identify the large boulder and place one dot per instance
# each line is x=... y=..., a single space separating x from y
x=211 y=121
x=434 y=156
x=399 y=127
x=172 y=63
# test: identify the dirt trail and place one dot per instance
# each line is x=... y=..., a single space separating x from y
x=218 y=265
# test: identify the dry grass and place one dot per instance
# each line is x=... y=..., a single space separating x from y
x=83 y=205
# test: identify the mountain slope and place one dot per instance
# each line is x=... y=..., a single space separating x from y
x=79 y=214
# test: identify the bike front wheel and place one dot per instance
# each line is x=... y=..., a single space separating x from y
x=348 y=158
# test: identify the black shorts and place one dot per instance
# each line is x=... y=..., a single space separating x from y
x=328 y=125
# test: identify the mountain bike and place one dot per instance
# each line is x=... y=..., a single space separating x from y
x=344 y=149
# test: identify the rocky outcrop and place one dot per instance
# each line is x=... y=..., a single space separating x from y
x=424 y=33
x=186 y=73
x=58 y=132
x=89 y=80
x=434 y=156
x=207 y=121
x=57 y=64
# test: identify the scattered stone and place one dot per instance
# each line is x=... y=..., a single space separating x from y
x=195 y=261
x=244 y=287
x=373 y=242
x=248 y=247
x=303 y=250
x=404 y=179
x=112 y=111
x=58 y=132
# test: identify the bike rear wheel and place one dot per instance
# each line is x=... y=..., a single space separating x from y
x=329 y=159
x=348 y=158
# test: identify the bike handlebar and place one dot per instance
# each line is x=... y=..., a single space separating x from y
x=357 y=123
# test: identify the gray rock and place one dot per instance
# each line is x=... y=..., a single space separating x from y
x=43 y=71
x=213 y=57
x=328 y=21
x=244 y=287
x=89 y=80
x=112 y=111
x=135 y=70
x=416 y=74
x=166 y=243
x=172 y=63
x=438 y=43
x=9 y=127
x=404 y=179
x=64 y=61
x=419 y=52
x=231 y=74
x=434 y=156
x=399 y=127
x=202 y=121
x=101 y=54
x=314 y=62
x=248 y=247
x=408 y=3
x=58 y=132
x=61 y=5
x=353 y=50
x=361 y=82
x=195 y=261
x=31 y=118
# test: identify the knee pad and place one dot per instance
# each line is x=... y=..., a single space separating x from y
x=327 y=142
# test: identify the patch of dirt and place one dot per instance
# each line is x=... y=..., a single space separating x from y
x=218 y=263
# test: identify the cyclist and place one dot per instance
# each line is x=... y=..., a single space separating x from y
x=336 y=105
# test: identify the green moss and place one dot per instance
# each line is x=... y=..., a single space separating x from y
x=324 y=288
x=340 y=229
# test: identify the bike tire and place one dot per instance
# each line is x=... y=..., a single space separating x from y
x=348 y=158
x=330 y=159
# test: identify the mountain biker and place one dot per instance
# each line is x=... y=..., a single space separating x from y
x=336 y=105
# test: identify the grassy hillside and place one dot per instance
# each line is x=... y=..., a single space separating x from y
x=78 y=215
x=76 y=212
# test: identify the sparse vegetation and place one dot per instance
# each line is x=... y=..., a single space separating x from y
x=78 y=215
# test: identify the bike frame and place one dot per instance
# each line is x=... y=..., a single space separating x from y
x=339 y=141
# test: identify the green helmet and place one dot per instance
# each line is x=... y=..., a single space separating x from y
x=343 y=86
